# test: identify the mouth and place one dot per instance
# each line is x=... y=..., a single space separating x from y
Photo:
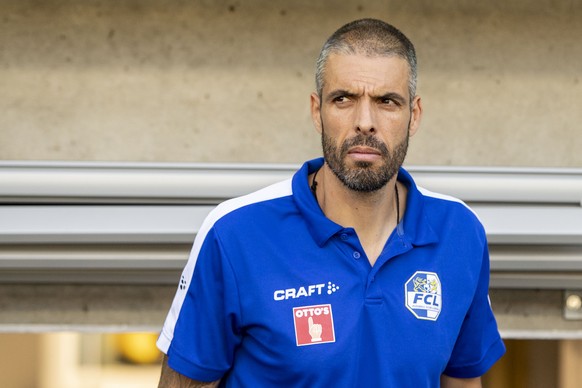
x=361 y=153
x=364 y=150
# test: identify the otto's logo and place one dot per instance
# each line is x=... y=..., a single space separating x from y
x=313 y=325
x=424 y=295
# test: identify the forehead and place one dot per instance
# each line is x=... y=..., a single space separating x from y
x=356 y=71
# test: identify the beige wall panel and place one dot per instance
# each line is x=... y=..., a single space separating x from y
x=570 y=361
x=19 y=360
x=229 y=81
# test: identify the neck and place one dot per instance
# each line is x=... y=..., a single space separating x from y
x=364 y=211
x=374 y=216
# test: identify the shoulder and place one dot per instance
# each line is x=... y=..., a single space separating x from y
x=433 y=202
x=453 y=214
x=251 y=204
x=447 y=202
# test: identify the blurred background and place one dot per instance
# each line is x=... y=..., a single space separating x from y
x=215 y=80
x=229 y=81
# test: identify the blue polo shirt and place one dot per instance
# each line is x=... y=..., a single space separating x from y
x=275 y=294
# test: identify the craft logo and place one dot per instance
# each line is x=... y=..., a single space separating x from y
x=305 y=291
x=313 y=325
x=423 y=294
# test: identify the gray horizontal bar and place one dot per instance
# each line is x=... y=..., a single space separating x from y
x=507 y=185
x=68 y=181
x=536 y=258
x=534 y=241
x=543 y=267
x=103 y=182
x=145 y=256
x=94 y=257
x=529 y=224
x=554 y=281
x=106 y=224
x=178 y=224
x=536 y=280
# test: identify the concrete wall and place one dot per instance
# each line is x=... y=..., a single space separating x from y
x=198 y=81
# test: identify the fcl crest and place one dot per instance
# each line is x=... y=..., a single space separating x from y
x=423 y=295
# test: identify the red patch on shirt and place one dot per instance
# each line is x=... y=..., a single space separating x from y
x=313 y=325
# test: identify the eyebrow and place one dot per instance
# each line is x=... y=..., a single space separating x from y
x=398 y=98
x=339 y=93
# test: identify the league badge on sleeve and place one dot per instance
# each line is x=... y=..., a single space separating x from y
x=423 y=293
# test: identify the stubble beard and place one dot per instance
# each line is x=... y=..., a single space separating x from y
x=363 y=176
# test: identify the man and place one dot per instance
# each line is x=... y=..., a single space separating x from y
x=347 y=274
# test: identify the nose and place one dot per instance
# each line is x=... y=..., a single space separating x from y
x=365 y=117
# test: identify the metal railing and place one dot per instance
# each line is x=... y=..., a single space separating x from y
x=97 y=219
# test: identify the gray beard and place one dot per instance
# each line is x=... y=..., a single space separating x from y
x=363 y=177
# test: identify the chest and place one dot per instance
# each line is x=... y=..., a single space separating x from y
x=304 y=305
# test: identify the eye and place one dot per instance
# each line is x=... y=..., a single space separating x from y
x=392 y=100
x=340 y=99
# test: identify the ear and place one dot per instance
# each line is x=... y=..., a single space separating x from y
x=316 y=111
x=416 y=115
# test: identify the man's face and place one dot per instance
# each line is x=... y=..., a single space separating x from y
x=365 y=119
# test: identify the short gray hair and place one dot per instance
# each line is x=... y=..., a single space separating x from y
x=370 y=37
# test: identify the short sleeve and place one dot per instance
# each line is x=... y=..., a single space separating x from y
x=479 y=344
x=207 y=329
